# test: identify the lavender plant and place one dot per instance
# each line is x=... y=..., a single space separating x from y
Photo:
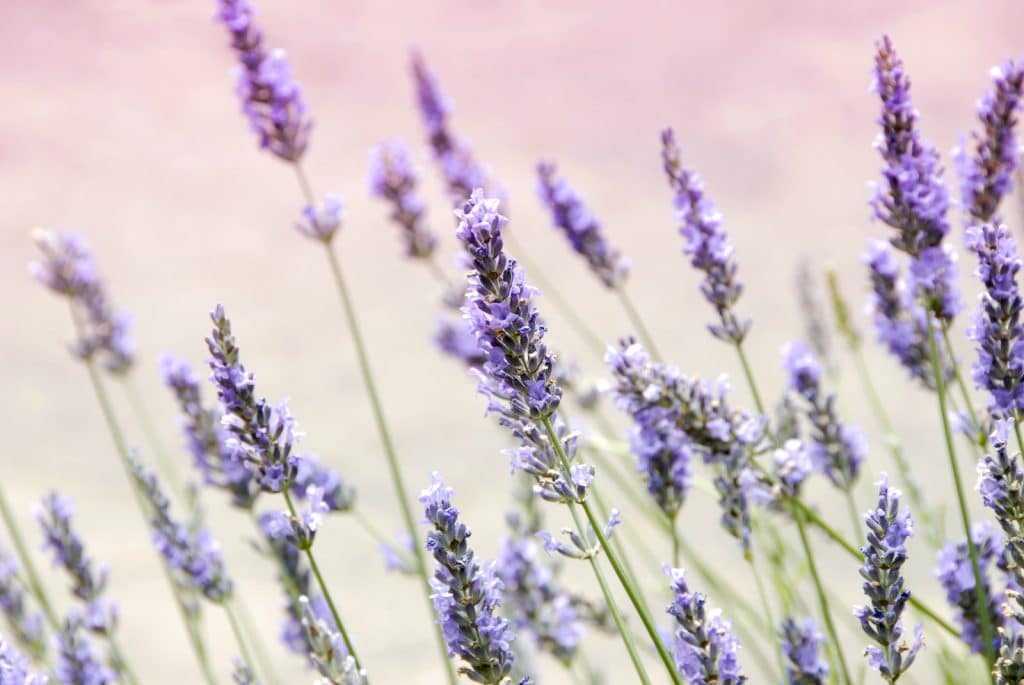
x=15 y=669
x=24 y=623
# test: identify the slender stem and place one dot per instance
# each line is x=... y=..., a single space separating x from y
x=437 y=272
x=964 y=392
x=980 y=594
x=335 y=614
x=750 y=377
x=851 y=509
x=35 y=585
x=371 y=529
x=675 y=542
x=616 y=541
x=249 y=630
x=142 y=415
x=820 y=590
x=121 y=446
x=766 y=607
x=382 y=427
x=637 y=321
x=620 y=572
x=121 y=664
x=1016 y=430
x=236 y=629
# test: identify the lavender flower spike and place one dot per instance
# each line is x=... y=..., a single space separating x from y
x=583 y=230
x=912 y=198
x=836 y=448
x=68 y=269
x=88 y=584
x=801 y=645
x=706 y=242
x=193 y=556
x=77 y=663
x=705 y=649
x=889 y=527
x=394 y=179
x=466 y=595
x=321 y=223
x=14 y=668
x=327 y=649
x=1001 y=484
x=987 y=175
x=953 y=569
x=25 y=625
x=271 y=100
x=996 y=327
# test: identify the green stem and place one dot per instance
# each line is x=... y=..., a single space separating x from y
x=851 y=509
x=964 y=392
x=823 y=604
x=315 y=568
x=767 y=608
x=35 y=585
x=637 y=321
x=675 y=542
x=236 y=629
x=616 y=541
x=170 y=472
x=750 y=377
x=980 y=594
x=249 y=630
x=437 y=272
x=382 y=426
x=617 y=567
x=121 y=664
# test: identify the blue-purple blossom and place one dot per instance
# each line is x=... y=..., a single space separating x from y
x=996 y=327
x=956 y=574
x=705 y=242
x=791 y=464
x=14 y=667
x=888 y=528
x=77 y=663
x=466 y=596
x=300 y=529
x=327 y=649
x=89 y=583
x=271 y=99
x=986 y=170
x=453 y=155
x=571 y=216
x=802 y=644
x=1009 y=666
x=242 y=674
x=321 y=222
x=25 y=624
x=394 y=179
x=911 y=197
x=704 y=646
x=835 y=448
x=456 y=339
x=1001 y=485
x=67 y=268
x=193 y=556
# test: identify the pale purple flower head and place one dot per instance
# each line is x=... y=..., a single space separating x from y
x=271 y=99
x=25 y=624
x=704 y=646
x=456 y=339
x=15 y=668
x=571 y=216
x=802 y=644
x=321 y=222
x=705 y=242
x=1001 y=485
x=77 y=661
x=986 y=170
x=956 y=574
x=394 y=179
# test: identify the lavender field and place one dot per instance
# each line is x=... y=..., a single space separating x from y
x=730 y=291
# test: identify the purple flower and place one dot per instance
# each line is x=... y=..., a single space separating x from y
x=327 y=648
x=77 y=663
x=394 y=179
x=1009 y=666
x=242 y=674
x=705 y=649
x=14 y=668
x=26 y=625
x=889 y=527
x=986 y=176
x=67 y=268
x=955 y=573
x=321 y=223
x=466 y=596
x=996 y=326
x=88 y=583
x=456 y=339
x=705 y=242
x=801 y=645
x=270 y=98
x=1001 y=484
x=583 y=230
x=792 y=463
x=911 y=197
x=193 y=556
x=836 y=448
x=453 y=155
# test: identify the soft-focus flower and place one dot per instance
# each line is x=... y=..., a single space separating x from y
x=327 y=649
x=954 y=571
x=394 y=179
x=705 y=649
x=25 y=625
x=14 y=668
x=77 y=663
x=802 y=646
x=323 y=221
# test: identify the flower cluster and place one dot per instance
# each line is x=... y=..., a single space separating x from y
x=327 y=649
x=801 y=645
x=193 y=555
x=705 y=649
x=583 y=230
x=394 y=179
x=466 y=595
x=706 y=242
x=954 y=571
x=456 y=339
x=836 y=448
x=320 y=223
x=14 y=668
x=26 y=625
x=996 y=327
x=68 y=269
x=77 y=663
x=912 y=197
x=676 y=417
x=1001 y=485
x=889 y=527
x=987 y=175
x=271 y=99
x=88 y=583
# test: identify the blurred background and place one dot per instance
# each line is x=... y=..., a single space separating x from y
x=119 y=121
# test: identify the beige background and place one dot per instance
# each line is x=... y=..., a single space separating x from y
x=118 y=120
